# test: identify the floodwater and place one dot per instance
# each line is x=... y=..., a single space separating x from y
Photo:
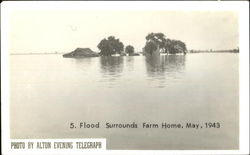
x=48 y=92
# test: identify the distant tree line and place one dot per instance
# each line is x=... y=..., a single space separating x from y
x=215 y=51
x=111 y=45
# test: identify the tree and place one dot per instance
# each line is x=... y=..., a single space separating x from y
x=129 y=49
x=110 y=46
x=176 y=46
x=158 y=38
x=165 y=44
x=150 y=47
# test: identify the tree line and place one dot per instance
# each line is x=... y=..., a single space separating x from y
x=154 y=41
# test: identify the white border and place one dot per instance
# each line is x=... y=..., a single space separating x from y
x=241 y=7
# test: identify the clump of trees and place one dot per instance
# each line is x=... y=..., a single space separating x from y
x=165 y=45
x=176 y=46
x=150 y=47
x=110 y=46
x=154 y=41
x=130 y=50
x=158 y=39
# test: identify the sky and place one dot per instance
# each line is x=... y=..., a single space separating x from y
x=63 y=31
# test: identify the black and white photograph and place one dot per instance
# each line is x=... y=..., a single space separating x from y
x=141 y=79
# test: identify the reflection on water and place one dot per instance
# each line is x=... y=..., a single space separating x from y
x=111 y=69
x=82 y=60
x=111 y=65
x=165 y=66
x=159 y=71
x=130 y=63
x=82 y=63
x=165 y=63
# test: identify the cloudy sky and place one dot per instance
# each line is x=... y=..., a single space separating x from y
x=63 y=31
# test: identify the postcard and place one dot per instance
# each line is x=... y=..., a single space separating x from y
x=125 y=77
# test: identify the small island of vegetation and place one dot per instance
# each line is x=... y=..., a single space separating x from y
x=156 y=43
